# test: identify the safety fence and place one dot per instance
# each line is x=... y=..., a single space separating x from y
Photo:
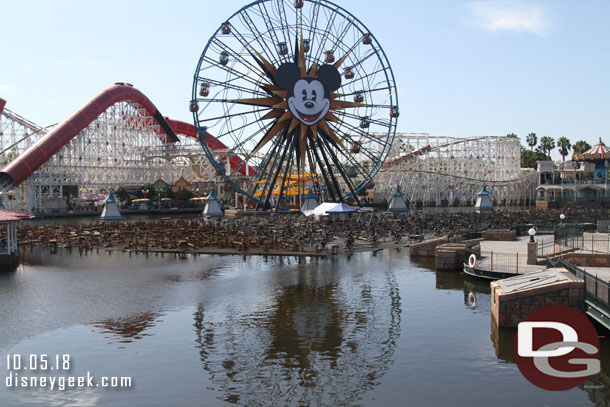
x=597 y=291
x=585 y=243
x=513 y=263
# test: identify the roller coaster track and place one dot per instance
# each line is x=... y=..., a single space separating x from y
x=50 y=143
x=486 y=181
x=426 y=149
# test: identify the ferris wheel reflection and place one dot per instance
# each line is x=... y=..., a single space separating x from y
x=319 y=342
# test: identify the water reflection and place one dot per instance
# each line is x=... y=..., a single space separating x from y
x=312 y=342
x=477 y=292
x=128 y=329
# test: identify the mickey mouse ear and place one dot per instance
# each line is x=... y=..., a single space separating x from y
x=287 y=75
x=329 y=76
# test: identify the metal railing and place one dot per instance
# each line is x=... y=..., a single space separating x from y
x=583 y=244
x=572 y=229
x=497 y=262
x=597 y=291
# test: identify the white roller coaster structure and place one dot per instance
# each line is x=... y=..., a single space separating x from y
x=450 y=171
x=121 y=147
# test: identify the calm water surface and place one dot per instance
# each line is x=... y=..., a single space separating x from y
x=378 y=330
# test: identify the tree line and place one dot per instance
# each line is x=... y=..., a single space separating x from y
x=544 y=146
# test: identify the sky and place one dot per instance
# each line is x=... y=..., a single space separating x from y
x=463 y=68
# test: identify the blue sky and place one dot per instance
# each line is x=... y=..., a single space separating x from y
x=463 y=68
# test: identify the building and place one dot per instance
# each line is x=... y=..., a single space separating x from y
x=111 y=208
x=180 y=185
x=484 y=200
x=213 y=206
x=575 y=182
x=9 y=253
x=398 y=203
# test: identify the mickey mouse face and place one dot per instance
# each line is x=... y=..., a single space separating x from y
x=309 y=103
x=308 y=98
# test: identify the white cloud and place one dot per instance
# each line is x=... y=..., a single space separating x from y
x=4 y=87
x=494 y=15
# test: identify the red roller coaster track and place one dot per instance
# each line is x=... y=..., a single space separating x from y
x=34 y=157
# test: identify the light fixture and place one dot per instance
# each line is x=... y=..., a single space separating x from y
x=532 y=233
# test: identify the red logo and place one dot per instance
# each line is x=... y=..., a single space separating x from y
x=557 y=348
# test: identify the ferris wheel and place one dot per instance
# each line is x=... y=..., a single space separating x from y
x=299 y=96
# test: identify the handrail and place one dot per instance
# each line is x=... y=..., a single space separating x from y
x=495 y=261
x=597 y=291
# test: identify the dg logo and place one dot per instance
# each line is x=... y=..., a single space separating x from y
x=557 y=348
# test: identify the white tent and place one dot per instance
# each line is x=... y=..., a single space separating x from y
x=327 y=208
x=111 y=208
x=212 y=206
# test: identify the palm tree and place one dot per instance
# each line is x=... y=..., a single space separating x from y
x=580 y=147
x=547 y=144
x=564 y=147
x=532 y=140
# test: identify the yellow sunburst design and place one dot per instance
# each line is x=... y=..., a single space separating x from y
x=286 y=124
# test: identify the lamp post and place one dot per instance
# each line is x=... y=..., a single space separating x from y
x=532 y=233
x=562 y=217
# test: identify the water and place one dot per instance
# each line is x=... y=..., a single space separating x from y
x=230 y=330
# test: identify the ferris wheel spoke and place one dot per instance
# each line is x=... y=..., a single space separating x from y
x=287 y=170
x=238 y=57
x=229 y=85
x=359 y=132
x=249 y=155
x=353 y=162
x=228 y=116
x=378 y=122
x=276 y=172
x=258 y=36
x=362 y=60
x=315 y=12
x=262 y=169
x=269 y=24
x=314 y=174
x=238 y=75
x=325 y=33
x=260 y=60
x=327 y=142
x=335 y=183
x=233 y=130
x=361 y=78
x=350 y=159
x=283 y=23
